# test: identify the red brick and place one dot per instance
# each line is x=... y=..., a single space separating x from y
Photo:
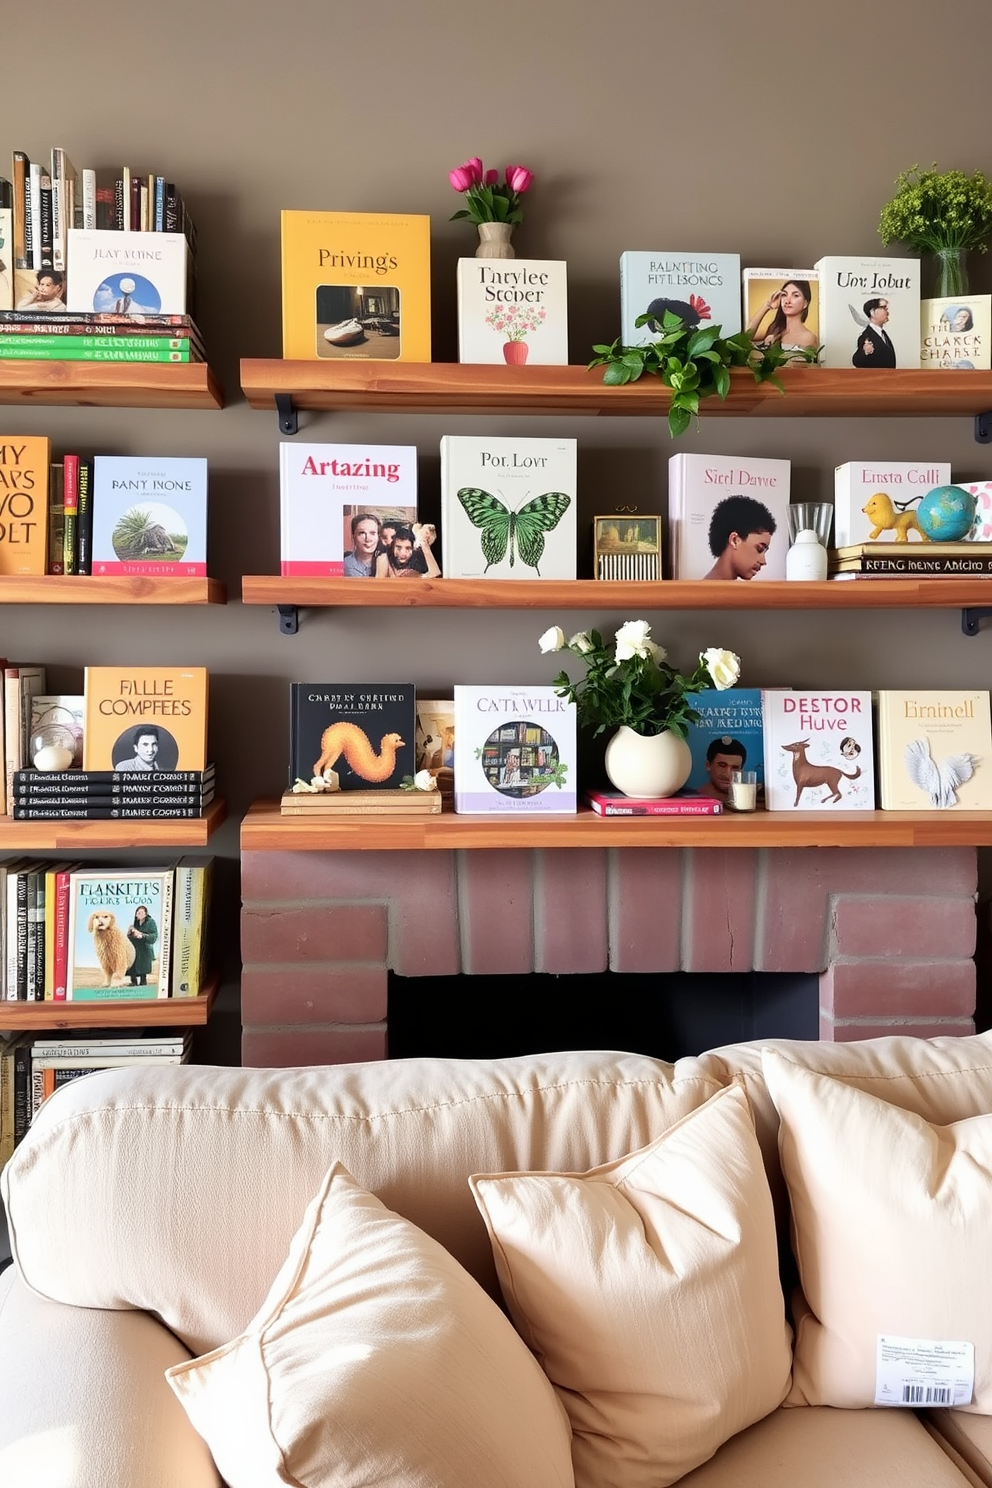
x=423 y=919
x=645 y=898
x=316 y=932
x=845 y=1033
x=718 y=913
x=312 y=994
x=570 y=911
x=495 y=911
x=873 y=989
x=281 y=1048
x=927 y=927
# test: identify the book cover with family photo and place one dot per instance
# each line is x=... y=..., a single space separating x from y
x=728 y=517
x=782 y=308
x=508 y=507
x=875 y=500
x=145 y=718
x=149 y=515
x=702 y=289
x=727 y=737
x=513 y=311
x=127 y=273
x=869 y=311
x=352 y=735
x=325 y=491
x=818 y=751
x=515 y=751
x=956 y=331
x=120 y=930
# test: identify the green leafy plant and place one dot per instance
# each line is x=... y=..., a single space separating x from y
x=933 y=210
x=694 y=364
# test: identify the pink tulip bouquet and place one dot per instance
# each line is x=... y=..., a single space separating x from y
x=488 y=198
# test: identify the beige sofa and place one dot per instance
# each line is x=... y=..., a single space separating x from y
x=150 y=1211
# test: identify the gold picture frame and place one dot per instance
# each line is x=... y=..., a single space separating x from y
x=626 y=546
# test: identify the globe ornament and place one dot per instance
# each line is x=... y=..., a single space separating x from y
x=946 y=514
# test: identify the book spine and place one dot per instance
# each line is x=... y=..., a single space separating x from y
x=89 y=199
x=48 y=928
x=77 y=333
x=60 y=970
x=45 y=217
x=104 y=813
x=937 y=566
x=57 y=799
x=56 y=350
x=97 y=323
x=10 y=940
x=149 y=779
x=32 y=192
x=165 y=936
x=141 y=1049
x=60 y=204
x=119 y=190
x=11 y=733
x=31 y=923
x=658 y=808
x=19 y=172
x=84 y=518
x=38 y=1093
x=185 y=916
x=22 y=1090
x=159 y=204
x=56 y=520
x=70 y=508
x=21 y=937
x=6 y=1105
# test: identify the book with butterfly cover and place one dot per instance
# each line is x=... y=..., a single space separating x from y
x=513 y=311
x=508 y=507
x=515 y=751
x=934 y=750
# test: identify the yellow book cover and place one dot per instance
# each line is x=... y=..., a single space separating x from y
x=145 y=718
x=934 y=750
x=194 y=884
x=24 y=465
x=356 y=286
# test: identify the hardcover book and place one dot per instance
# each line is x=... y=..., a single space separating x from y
x=6 y=258
x=515 y=751
x=120 y=931
x=20 y=684
x=875 y=500
x=727 y=737
x=818 y=751
x=981 y=527
x=434 y=741
x=869 y=311
x=128 y=273
x=325 y=491
x=145 y=718
x=24 y=467
x=387 y=802
x=782 y=308
x=355 y=735
x=934 y=750
x=508 y=507
x=956 y=331
x=191 y=907
x=703 y=289
x=728 y=516
x=615 y=803
x=955 y=560
x=513 y=310
x=149 y=515
x=356 y=285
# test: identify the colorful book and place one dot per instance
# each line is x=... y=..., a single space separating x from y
x=964 y=560
x=728 y=516
x=84 y=517
x=127 y=273
x=150 y=515
x=96 y=349
x=703 y=289
x=818 y=751
x=20 y=165
x=355 y=735
x=70 y=514
x=508 y=507
x=615 y=803
x=515 y=751
x=120 y=931
x=513 y=310
x=782 y=308
x=875 y=500
x=56 y=519
x=956 y=331
x=116 y=780
x=981 y=527
x=145 y=718
x=356 y=286
x=934 y=750
x=191 y=906
x=869 y=311
x=727 y=737
x=60 y=935
x=434 y=741
x=335 y=499
x=24 y=465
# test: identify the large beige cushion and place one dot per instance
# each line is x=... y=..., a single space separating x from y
x=892 y=1221
x=649 y=1291
x=375 y=1359
x=968 y=1435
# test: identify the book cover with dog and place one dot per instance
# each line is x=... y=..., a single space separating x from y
x=818 y=751
x=149 y=516
x=146 y=718
x=515 y=751
x=120 y=933
x=352 y=735
x=727 y=737
x=875 y=500
x=934 y=750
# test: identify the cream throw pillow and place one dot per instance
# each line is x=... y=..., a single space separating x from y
x=376 y=1358
x=649 y=1291
x=892 y=1228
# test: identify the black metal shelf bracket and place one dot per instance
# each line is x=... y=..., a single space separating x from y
x=971 y=618
x=287 y=416
x=289 y=619
x=983 y=428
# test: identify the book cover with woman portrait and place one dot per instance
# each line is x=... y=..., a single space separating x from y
x=782 y=308
x=728 y=516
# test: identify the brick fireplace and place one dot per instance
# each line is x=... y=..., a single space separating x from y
x=890 y=931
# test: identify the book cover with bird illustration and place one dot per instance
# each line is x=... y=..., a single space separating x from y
x=819 y=752
x=515 y=751
x=703 y=289
x=150 y=515
x=876 y=500
x=869 y=312
x=352 y=735
x=513 y=310
x=508 y=507
x=934 y=750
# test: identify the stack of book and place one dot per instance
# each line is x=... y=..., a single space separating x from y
x=912 y=560
x=78 y=336
x=110 y=795
x=361 y=803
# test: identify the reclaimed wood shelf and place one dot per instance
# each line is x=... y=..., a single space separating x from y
x=455 y=387
x=72 y=834
x=182 y=385
x=264 y=829
x=109 y=589
x=158 y=1012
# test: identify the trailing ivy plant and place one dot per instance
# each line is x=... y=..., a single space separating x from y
x=694 y=364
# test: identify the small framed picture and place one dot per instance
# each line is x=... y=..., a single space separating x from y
x=627 y=546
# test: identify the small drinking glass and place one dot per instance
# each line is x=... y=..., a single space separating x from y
x=743 y=790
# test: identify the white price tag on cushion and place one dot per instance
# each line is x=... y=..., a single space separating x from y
x=923 y=1371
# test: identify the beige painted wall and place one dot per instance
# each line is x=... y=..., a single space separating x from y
x=768 y=128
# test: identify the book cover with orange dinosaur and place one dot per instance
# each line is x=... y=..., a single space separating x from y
x=352 y=735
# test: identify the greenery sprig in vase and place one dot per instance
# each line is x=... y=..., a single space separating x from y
x=943 y=213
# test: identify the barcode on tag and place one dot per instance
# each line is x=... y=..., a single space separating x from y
x=915 y=1372
x=927 y=1395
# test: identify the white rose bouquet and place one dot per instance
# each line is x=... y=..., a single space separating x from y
x=631 y=682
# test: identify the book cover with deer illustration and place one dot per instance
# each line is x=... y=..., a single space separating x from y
x=934 y=750
x=515 y=751
x=703 y=289
x=145 y=718
x=513 y=310
x=819 y=752
x=508 y=507
x=876 y=500
x=150 y=515
x=352 y=735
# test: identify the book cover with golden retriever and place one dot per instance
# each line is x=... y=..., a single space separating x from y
x=352 y=735
x=120 y=930
x=145 y=718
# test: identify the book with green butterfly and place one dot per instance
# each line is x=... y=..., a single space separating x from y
x=509 y=507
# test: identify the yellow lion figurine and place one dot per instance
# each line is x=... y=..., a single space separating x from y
x=883 y=516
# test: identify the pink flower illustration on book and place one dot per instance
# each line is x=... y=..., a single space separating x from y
x=515 y=322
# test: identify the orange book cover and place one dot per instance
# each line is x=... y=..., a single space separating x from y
x=25 y=461
x=356 y=286
x=145 y=718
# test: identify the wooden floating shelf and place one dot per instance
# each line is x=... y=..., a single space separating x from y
x=265 y=830
x=183 y=385
x=109 y=589
x=454 y=387
x=51 y=835
x=159 y=1012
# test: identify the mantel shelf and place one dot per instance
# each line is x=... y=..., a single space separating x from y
x=264 y=829
x=182 y=385
x=109 y=589
x=74 y=834
x=454 y=387
x=160 y=1012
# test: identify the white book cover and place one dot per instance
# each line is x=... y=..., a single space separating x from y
x=127 y=273
x=702 y=288
x=782 y=308
x=508 y=507
x=515 y=751
x=730 y=519
x=325 y=490
x=875 y=500
x=956 y=331
x=869 y=311
x=934 y=750
x=150 y=515
x=818 y=751
x=513 y=310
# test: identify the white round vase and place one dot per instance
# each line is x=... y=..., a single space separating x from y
x=651 y=767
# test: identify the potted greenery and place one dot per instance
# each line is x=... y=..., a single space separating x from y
x=942 y=213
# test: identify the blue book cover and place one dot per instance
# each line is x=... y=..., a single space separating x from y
x=703 y=289
x=727 y=737
x=150 y=515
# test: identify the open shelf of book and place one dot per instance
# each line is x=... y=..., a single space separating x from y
x=109 y=589
x=264 y=829
x=455 y=387
x=183 y=385
x=159 y=1012
x=57 y=836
